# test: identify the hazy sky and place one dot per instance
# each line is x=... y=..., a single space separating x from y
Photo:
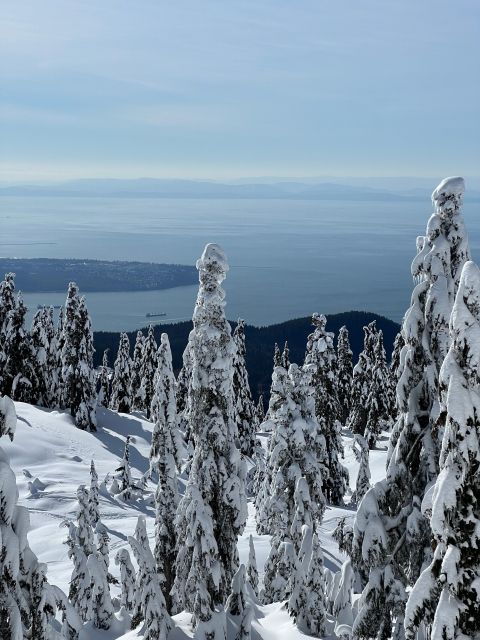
x=207 y=88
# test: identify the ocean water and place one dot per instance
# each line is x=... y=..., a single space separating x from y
x=288 y=258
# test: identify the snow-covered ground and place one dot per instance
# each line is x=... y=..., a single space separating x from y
x=51 y=458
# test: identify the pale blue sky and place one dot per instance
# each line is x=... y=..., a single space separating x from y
x=227 y=88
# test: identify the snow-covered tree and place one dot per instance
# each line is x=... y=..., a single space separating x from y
x=78 y=376
x=102 y=608
x=127 y=579
x=380 y=399
x=41 y=335
x=296 y=450
x=17 y=358
x=280 y=572
x=236 y=601
x=342 y=607
x=122 y=485
x=71 y=622
x=103 y=382
x=285 y=356
x=320 y=356
x=252 y=571
x=24 y=604
x=164 y=406
x=121 y=398
x=136 y=372
x=166 y=496
x=103 y=551
x=362 y=381
x=298 y=596
x=80 y=592
x=445 y=597
x=303 y=513
x=157 y=622
x=213 y=511
x=244 y=408
x=245 y=626
x=147 y=371
x=260 y=411
x=401 y=545
x=93 y=507
x=395 y=362
x=311 y=616
x=362 y=456
x=344 y=374
x=343 y=535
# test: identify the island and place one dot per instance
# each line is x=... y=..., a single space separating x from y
x=52 y=275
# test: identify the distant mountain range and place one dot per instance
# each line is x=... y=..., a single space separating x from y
x=157 y=188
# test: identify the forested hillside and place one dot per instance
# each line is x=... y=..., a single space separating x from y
x=261 y=341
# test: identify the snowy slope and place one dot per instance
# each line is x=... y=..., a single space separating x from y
x=51 y=458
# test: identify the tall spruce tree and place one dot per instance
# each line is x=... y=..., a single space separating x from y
x=391 y=535
x=121 y=399
x=362 y=381
x=136 y=372
x=148 y=370
x=320 y=356
x=41 y=334
x=25 y=608
x=213 y=511
x=157 y=622
x=164 y=407
x=78 y=376
x=380 y=399
x=344 y=374
x=163 y=462
x=244 y=409
x=103 y=382
x=445 y=599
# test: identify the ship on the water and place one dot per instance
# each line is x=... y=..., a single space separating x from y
x=155 y=315
x=46 y=306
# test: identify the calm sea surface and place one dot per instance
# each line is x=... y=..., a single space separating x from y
x=287 y=258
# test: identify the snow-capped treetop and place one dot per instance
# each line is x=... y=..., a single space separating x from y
x=449 y=193
x=213 y=256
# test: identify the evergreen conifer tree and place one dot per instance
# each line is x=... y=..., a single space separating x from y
x=252 y=571
x=260 y=411
x=344 y=374
x=166 y=497
x=148 y=370
x=164 y=407
x=212 y=512
x=361 y=453
x=445 y=597
x=123 y=477
x=311 y=615
x=320 y=356
x=127 y=579
x=362 y=381
x=157 y=622
x=103 y=382
x=121 y=399
x=24 y=604
x=78 y=376
x=136 y=372
x=93 y=507
x=380 y=399
x=236 y=601
x=244 y=408
x=391 y=535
